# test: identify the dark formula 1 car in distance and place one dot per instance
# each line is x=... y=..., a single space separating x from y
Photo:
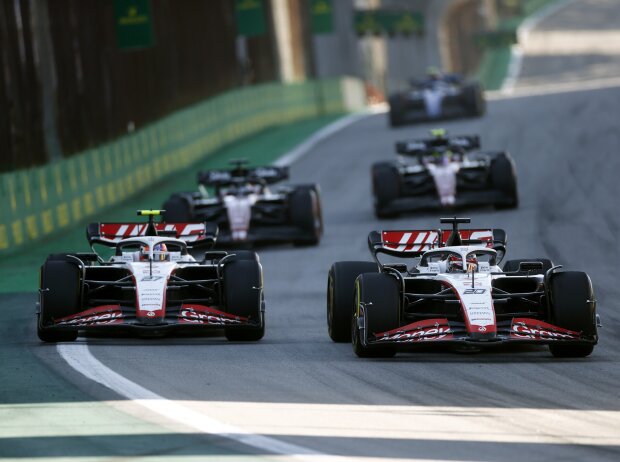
x=443 y=172
x=439 y=286
x=151 y=285
x=248 y=210
x=439 y=96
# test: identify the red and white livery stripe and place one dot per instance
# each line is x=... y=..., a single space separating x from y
x=422 y=240
x=115 y=232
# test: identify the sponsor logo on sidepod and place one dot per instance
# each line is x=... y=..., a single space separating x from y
x=190 y=315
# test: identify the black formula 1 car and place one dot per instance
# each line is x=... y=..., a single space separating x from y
x=451 y=290
x=438 y=97
x=247 y=210
x=151 y=285
x=443 y=172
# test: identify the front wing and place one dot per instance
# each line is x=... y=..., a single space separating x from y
x=469 y=198
x=119 y=318
x=415 y=110
x=441 y=330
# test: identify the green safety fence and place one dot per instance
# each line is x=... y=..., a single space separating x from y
x=39 y=201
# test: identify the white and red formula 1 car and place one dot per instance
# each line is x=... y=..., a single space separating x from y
x=250 y=208
x=151 y=284
x=443 y=172
x=455 y=292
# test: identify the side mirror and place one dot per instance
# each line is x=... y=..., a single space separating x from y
x=530 y=266
x=400 y=267
x=501 y=252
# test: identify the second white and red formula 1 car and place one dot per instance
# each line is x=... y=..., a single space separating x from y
x=455 y=292
x=443 y=172
x=151 y=285
x=249 y=208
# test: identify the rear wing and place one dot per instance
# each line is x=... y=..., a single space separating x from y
x=194 y=234
x=413 y=243
x=266 y=175
x=431 y=145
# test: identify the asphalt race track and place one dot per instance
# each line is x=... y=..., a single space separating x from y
x=509 y=404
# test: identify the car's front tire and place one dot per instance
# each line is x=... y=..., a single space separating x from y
x=377 y=295
x=341 y=296
x=61 y=296
x=572 y=307
x=243 y=296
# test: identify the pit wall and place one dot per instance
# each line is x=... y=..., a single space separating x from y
x=38 y=202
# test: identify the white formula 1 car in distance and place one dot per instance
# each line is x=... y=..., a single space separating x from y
x=249 y=208
x=443 y=172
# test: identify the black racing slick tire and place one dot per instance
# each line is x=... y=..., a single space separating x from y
x=572 y=306
x=396 y=112
x=317 y=191
x=243 y=296
x=474 y=99
x=513 y=265
x=341 y=296
x=305 y=213
x=61 y=296
x=504 y=178
x=177 y=209
x=377 y=295
x=395 y=118
x=385 y=186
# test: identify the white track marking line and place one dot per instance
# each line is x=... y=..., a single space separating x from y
x=79 y=357
x=516 y=58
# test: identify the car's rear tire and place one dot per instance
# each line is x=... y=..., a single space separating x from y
x=305 y=213
x=243 y=289
x=474 y=98
x=379 y=296
x=317 y=191
x=572 y=307
x=386 y=187
x=504 y=178
x=395 y=114
x=513 y=265
x=61 y=296
x=395 y=118
x=341 y=296
x=177 y=209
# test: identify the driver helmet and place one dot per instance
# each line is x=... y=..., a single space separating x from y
x=455 y=264
x=159 y=252
x=433 y=73
x=472 y=263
